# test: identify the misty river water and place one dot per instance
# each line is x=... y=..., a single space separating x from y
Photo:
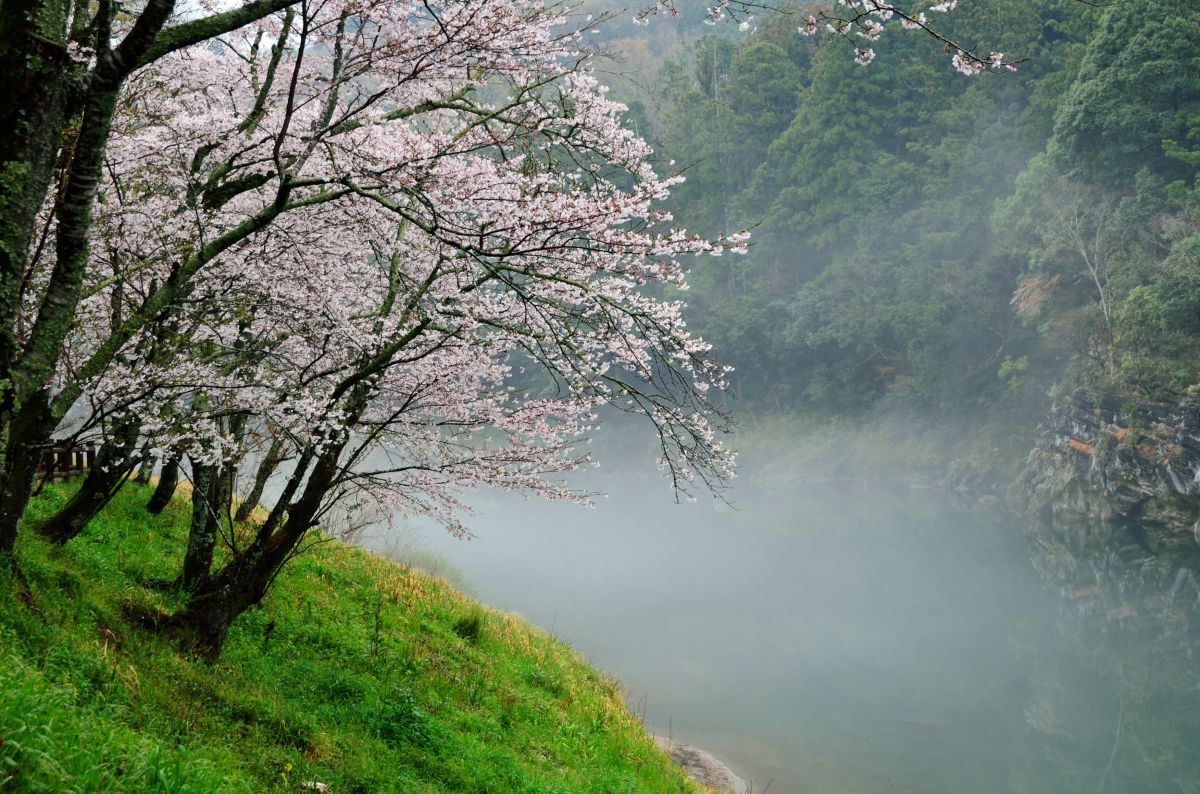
x=829 y=639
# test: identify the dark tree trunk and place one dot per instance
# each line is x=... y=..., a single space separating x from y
x=266 y=467
x=145 y=465
x=101 y=484
x=14 y=496
x=168 y=479
x=35 y=81
x=25 y=376
x=202 y=537
x=21 y=456
x=244 y=580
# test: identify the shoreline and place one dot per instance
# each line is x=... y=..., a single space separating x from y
x=702 y=766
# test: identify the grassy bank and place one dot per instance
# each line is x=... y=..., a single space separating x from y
x=356 y=673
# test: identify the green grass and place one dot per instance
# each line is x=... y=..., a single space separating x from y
x=356 y=672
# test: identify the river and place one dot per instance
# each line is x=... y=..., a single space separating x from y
x=826 y=640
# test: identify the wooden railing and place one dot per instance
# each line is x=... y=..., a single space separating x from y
x=66 y=460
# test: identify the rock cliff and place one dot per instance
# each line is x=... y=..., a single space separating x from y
x=1112 y=489
x=1115 y=483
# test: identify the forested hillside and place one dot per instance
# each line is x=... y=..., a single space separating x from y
x=927 y=242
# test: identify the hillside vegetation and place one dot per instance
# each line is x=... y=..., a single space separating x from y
x=355 y=673
x=946 y=250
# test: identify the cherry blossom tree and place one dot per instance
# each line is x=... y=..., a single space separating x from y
x=62 y=67
x=349 y=224
x=66 y=65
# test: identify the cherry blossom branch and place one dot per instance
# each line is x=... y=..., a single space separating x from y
x=866 y=21
x=185 y=34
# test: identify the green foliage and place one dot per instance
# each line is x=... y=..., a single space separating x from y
x=470 y=626
x=1011 y=369
x=1134 y=91
x=402 y=721
x=873 y=277
x=916 y=233
x=312 y=688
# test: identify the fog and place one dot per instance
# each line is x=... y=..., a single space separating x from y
x=827 y=639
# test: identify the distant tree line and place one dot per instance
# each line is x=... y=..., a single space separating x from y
x=925 y=241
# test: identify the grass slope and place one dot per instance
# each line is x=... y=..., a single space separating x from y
x=356 y=673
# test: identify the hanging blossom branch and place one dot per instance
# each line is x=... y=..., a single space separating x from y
x=858 y=22
x=866 y=21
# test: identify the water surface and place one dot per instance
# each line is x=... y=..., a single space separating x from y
x=832 y=639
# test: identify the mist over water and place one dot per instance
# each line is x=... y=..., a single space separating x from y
x=829 y=639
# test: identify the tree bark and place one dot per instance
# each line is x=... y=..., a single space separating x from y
x=35 y=77
x=145 y=465
x=103 y=481
x=244 y=580
x=35 y=80
x=25 y=376
x=168 y=479
x=22 y=452
x=202 y=536
x=266 y=467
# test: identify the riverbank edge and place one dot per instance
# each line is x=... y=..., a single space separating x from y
x=702 y=766
x=355 y=675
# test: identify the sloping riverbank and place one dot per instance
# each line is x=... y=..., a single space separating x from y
x=356 y=675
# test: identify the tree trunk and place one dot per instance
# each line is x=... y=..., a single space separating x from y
x=168 y=479
x=35 y=80
x=266 y=467
x=14 y=495
x=101 y=484
x=202 y=536
x=244 y=580
x=25 y=376
x=145 y=465
x=21 y=456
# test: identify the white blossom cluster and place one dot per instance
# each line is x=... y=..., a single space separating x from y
x=866 y=20
x=416 y=232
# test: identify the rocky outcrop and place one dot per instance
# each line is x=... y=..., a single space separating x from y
x=1110 y=477
x=702 y=766
x=1112 y=489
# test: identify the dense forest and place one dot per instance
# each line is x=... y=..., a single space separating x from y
x=926 y=242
